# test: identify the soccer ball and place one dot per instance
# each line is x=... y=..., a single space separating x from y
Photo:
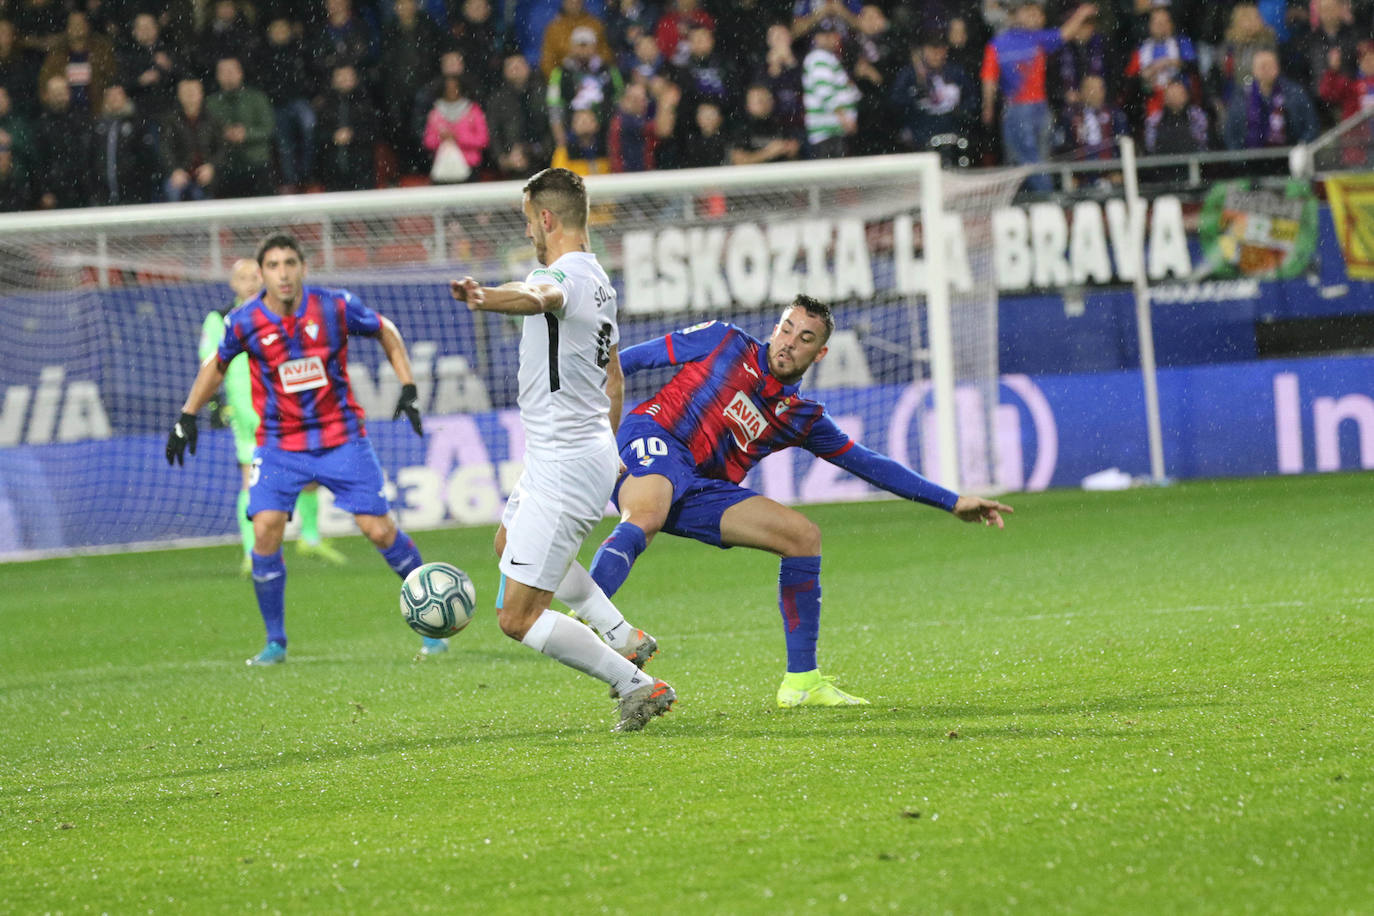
x=437 y=600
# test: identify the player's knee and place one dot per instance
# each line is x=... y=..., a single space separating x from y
x=805 y=540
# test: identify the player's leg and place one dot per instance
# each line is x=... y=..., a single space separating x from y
x=552 y=509
x=579 y=591
x=353 y=474
x=275 y=480
x=764 y=524
x=244 y=423
x=241 y=514
x=311 y=544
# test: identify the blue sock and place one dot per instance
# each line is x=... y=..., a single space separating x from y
x=799 y=599
x=402 y=556
x=269 y=581
x=615 y=556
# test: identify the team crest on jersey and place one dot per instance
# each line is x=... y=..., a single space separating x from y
x=746 y=420
x=698 y=327
x=782 y=406
x=313 y=330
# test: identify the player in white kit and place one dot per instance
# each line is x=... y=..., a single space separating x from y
x=571 y=389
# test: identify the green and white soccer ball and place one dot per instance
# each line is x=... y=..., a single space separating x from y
x=437 y=600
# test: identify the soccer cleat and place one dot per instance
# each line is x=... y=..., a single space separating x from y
x=641 y=705
x=274 y=653
x=432 y=646
x=637 y=652
x=811 y=688
x=246 y=567
x=320 y=550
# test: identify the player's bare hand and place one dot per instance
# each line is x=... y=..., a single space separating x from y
x=987 y=511
x=467 y=290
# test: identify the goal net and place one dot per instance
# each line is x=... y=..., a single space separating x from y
x=103 y=310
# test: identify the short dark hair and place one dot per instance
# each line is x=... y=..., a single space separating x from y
x=816 y=309
x=279 y=240
x=562 y=193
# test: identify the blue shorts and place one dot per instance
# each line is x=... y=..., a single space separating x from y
x=350 y=471
x=698 y=502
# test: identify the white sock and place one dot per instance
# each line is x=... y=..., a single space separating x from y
x=560 y=637
x=579 y=591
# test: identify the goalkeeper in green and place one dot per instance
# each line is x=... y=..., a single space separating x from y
x=245 y=279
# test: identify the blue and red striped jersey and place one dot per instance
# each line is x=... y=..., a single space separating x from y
x=299 y=367
x=725 y=406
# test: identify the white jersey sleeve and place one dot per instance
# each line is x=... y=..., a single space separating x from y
x=563 y=355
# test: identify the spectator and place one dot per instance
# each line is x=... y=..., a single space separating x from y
x=830 y=97
x=521 y=142
x=760 y=135
x=741 y=30
x=248 y=124
x=1246 y=35
x=814 y=16
x=1270 y=110
x=18 y=69
x=16 y=132
x=875 y=69
x=85 y=60
x=1349 y=95
x=646 y=61
x=781 y=73
x=41 y=24
x=410 y=46
x=1089 y=128
x=1179 y=126
x=705 y=146
x=14 y=182
x=965 y=52
x=451 y=64
x=563 y=33
x=935 y=100
x=347 y=132
x=226 y=34
x=148 y=67
x=457 y=120
x=342 y=40
x=190 y=142
x=705 y=76
x=585 y=150
x=630 y=136
x=583 y=81
x=668 y=130
x=1084 y=54
x=124 y=170
x=281 y=73
x=475 y=36
x=1312 y=51
x=1160 y=59
x=1014 y=68
x=626 y=22
x=673 y=26
x=62 y=147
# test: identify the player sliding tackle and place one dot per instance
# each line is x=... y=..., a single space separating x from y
x=570 y=392
x=734 y=401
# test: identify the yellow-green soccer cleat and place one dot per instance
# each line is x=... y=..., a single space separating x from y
x=811 y=688
x=321 y=550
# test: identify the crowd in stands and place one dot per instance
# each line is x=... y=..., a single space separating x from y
x=127 y=101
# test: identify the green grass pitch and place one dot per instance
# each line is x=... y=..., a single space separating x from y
x=1142 y=702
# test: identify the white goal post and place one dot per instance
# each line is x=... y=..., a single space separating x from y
x=104 y=306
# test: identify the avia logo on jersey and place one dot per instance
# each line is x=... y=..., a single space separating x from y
x=748 y=421
x=302 y=374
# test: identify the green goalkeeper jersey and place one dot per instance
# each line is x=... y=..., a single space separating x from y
x=238 y=386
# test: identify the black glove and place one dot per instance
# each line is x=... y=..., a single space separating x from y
x=183 y=435
x=406 y=405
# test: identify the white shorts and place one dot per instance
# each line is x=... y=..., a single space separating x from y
x=553 y=508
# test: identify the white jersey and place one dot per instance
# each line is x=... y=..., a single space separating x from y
x=563 y=355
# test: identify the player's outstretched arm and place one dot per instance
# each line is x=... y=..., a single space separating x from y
x=987 y=511
x=394 y=346
x=184 y=434
x=509 y=298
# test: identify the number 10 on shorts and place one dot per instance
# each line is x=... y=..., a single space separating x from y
x=648 y=447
